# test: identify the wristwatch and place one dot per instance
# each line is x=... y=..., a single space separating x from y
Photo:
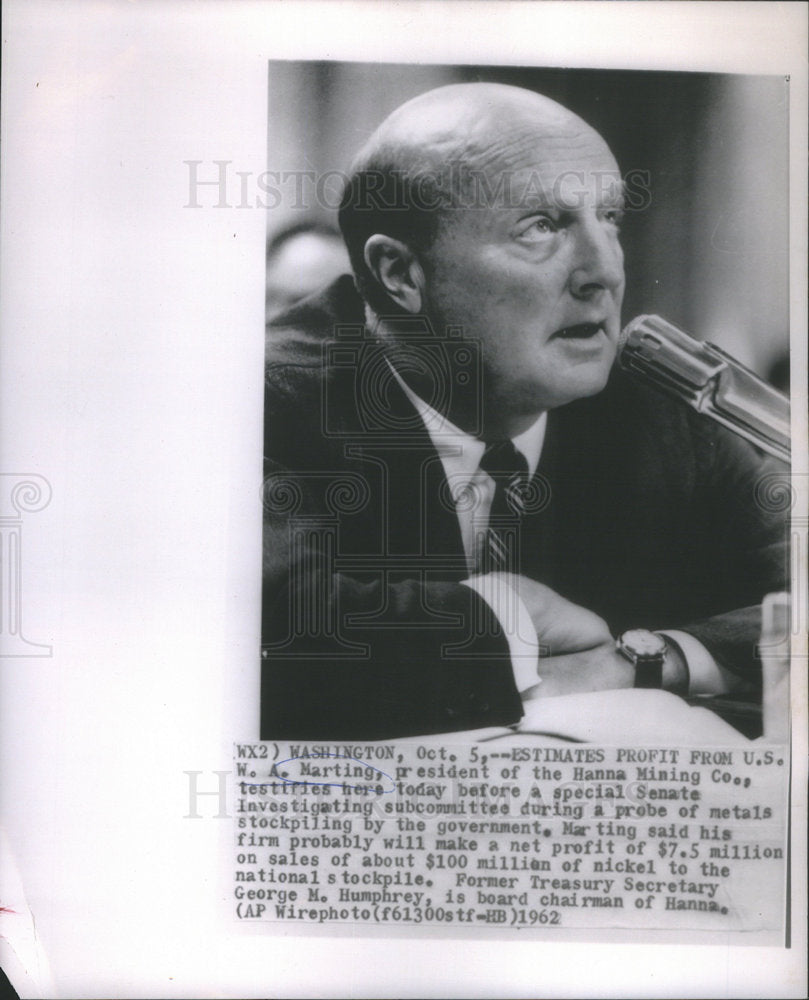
x=646 y=652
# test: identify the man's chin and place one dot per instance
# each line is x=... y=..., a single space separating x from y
x=571 y=388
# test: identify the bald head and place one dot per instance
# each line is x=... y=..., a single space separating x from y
x=471 y=122
x=464 y=145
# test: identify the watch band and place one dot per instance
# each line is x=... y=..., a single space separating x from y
x=684 y=686
x=649 y=672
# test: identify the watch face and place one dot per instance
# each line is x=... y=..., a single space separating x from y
x=647 y=652
x=643 y=643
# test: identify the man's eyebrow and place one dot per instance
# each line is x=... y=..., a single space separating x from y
x=613 y=197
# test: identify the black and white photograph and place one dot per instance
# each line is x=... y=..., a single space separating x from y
x=404 y=498
x=471 y=507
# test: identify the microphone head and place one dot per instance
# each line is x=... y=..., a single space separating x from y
x=631 y=328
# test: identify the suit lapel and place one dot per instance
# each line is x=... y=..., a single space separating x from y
x=538 y=529
x=411 y=506
x=562 y=534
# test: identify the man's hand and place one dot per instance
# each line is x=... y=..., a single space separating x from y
x=577 y=650
x=561 y=626
x=599 y=669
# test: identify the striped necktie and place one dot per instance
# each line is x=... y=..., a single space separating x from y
x=499 y=543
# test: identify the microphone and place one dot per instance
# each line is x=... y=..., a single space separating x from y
x=709 y=380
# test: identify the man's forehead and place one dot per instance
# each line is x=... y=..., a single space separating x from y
x=522 y=160
x=567 y=185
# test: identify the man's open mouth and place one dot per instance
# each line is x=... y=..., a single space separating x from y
x=581 y=331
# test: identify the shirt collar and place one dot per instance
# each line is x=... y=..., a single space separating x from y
x=460 y=453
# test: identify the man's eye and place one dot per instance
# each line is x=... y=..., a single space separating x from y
x=538 y=229
x=615 y=216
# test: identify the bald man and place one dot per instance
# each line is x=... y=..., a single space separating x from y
x=466 y=506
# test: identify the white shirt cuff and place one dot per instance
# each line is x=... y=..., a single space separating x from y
x=516 y=623
x=705 y=674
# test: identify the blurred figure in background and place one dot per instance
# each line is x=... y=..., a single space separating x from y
x=302 y=259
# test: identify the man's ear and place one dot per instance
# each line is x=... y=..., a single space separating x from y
x=397 y=269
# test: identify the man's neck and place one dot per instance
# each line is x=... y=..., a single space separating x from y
x=452 y=392
x=461 y=452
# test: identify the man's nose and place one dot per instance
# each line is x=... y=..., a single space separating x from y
x=598 y=263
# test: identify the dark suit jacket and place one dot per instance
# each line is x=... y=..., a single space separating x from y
x=650 y=518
